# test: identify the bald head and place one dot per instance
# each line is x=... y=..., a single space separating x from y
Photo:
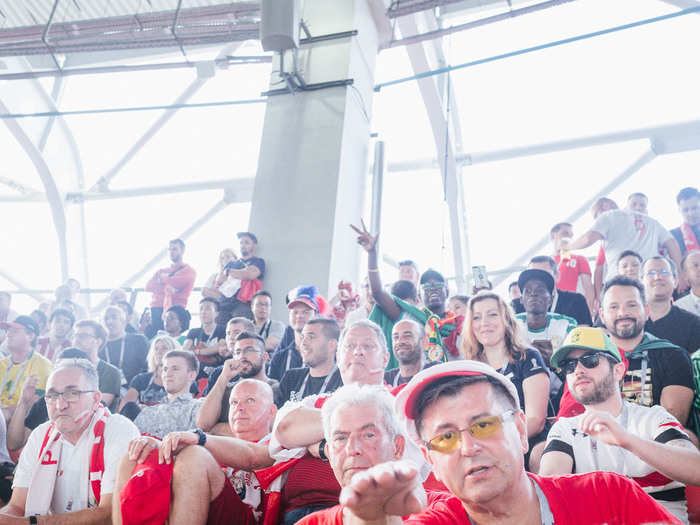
x=251 y=409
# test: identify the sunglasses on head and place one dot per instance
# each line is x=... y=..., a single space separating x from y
x=587 y=360
x=483 y=428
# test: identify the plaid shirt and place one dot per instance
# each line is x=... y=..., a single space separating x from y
x=174 y=416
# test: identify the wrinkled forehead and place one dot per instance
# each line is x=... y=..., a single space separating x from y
x=356 y=416
x=66 y=377
x=360 y=334
x=246 y=390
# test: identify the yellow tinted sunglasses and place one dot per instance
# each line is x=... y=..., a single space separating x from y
x=482 y=428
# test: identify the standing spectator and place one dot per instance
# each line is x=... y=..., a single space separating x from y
x=690 y=266
x=7 y=315
x=250 y=270
x=171 y=285
x=269 y=329
x=630 y=264
x=220 y=286
x=574 y=272
x=545 y=330
x=302 y=307
x=627 y=230
x=408 y=271
x=492 y=335
x=65 y=295
x=177 y=322
x=22 y=363
x=666 y=320
x=178 y=411
x=60 y=326
x=205 y=340
x=638 y=202
x=688 y=233
x=125 y=351
x=319 y=375
x=118 y=295
x=601 y=266
x=344 y=302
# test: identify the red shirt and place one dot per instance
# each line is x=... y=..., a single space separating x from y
x=180 y=276
x=569 y=271
x=586 y=499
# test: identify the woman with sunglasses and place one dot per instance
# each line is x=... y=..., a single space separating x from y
x=492 y=335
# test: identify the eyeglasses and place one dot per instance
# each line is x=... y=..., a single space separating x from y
x=661 y=273
x=432 y=286
x=483 y=428
x=238 y=352
x=83 y=336
x=69 y=396
x=587 y=360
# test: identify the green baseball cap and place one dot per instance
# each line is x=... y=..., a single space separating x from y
x=586 y=338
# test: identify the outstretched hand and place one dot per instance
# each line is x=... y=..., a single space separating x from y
x=387 y=489
x=601 y=425
x=364 y=238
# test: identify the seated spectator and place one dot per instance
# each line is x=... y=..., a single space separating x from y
x=89 y=336
x=171 y=285
x=302 y=307
x=41 y=320
x=408 y=271
x=270 y=330
x=364 y=310
x=220 y=286
x=570 y=304
x=443 y=329
x=344 y=302
x=465 y=418
x=572 y=270
x=7 y=467
x=627 y=230
x=638 y=202
x=408 y=338
x=7 y=314
x=69 y=464
x=65 y=295
x=125 y=351
x=515 y=295
x=630 y=264
x=213 y=482
x=178 y=411
x=666 y=320
x=60 y=326
x=250 y=270
x=235 y=326
x=361 y=431
x=319 y=375
x=690 y=266
x=22 y=363
x=146 y=388
x=658 y=372
x=177 y=322
x=118 y=295
x=492 y=335
x=688 y=233
x=654 y=449
x=546 y=331
x=246 y=362
x=206 y=340
x=458 y=304
x=129 y=313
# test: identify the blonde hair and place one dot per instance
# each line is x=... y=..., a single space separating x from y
x=516 y=342
x=170 y=342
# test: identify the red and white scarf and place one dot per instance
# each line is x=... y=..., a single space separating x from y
x=43 y=482
x=689 y=239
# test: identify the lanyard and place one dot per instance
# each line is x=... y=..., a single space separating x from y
x=299 y=395
x=545 y=511
x=619 y=468
x=265 y=329
x=289 y=360
x=121 y=354
x=15 y=383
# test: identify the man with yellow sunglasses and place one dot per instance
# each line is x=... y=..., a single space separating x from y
x=465 y=416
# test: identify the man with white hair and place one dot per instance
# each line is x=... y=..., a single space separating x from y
x=364 y=444
x=67 y=469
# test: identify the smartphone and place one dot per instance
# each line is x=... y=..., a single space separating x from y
x=479 y=276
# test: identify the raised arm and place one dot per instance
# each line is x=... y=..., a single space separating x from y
x=586 y=240
x=208 y=414
x=383 y=299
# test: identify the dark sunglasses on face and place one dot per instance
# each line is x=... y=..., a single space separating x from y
x=587 y=360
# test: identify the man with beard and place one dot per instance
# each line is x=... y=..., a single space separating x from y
x=545 y=330
x=171 y=285
x=646 y=444
x=443 y=329
x=247 y=362
x=658 y=372
x=666 y=320
x=407 y=337
x=319 y=375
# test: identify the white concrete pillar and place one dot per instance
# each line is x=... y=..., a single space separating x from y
x=313 y=164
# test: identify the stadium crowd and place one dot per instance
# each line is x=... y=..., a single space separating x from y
x=572 y=400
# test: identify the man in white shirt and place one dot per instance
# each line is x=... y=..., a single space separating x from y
x=690 y=269
x=67 y=469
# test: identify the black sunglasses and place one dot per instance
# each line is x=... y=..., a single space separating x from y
x=587 y=360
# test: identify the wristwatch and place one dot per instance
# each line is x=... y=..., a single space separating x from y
x=32 y=519
x=322 y=450
x=202 y=436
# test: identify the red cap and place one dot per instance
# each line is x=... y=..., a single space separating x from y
x=405 y=404
x=145 y=498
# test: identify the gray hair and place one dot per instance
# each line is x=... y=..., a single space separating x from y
x=169 y=341
x=86 y=367
x=381 y=340
x=362 y=395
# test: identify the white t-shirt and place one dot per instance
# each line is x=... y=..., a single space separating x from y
x=690 y=302
x=627 y=230
x=555 y=331
x=119 y=431
x=591 y=455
